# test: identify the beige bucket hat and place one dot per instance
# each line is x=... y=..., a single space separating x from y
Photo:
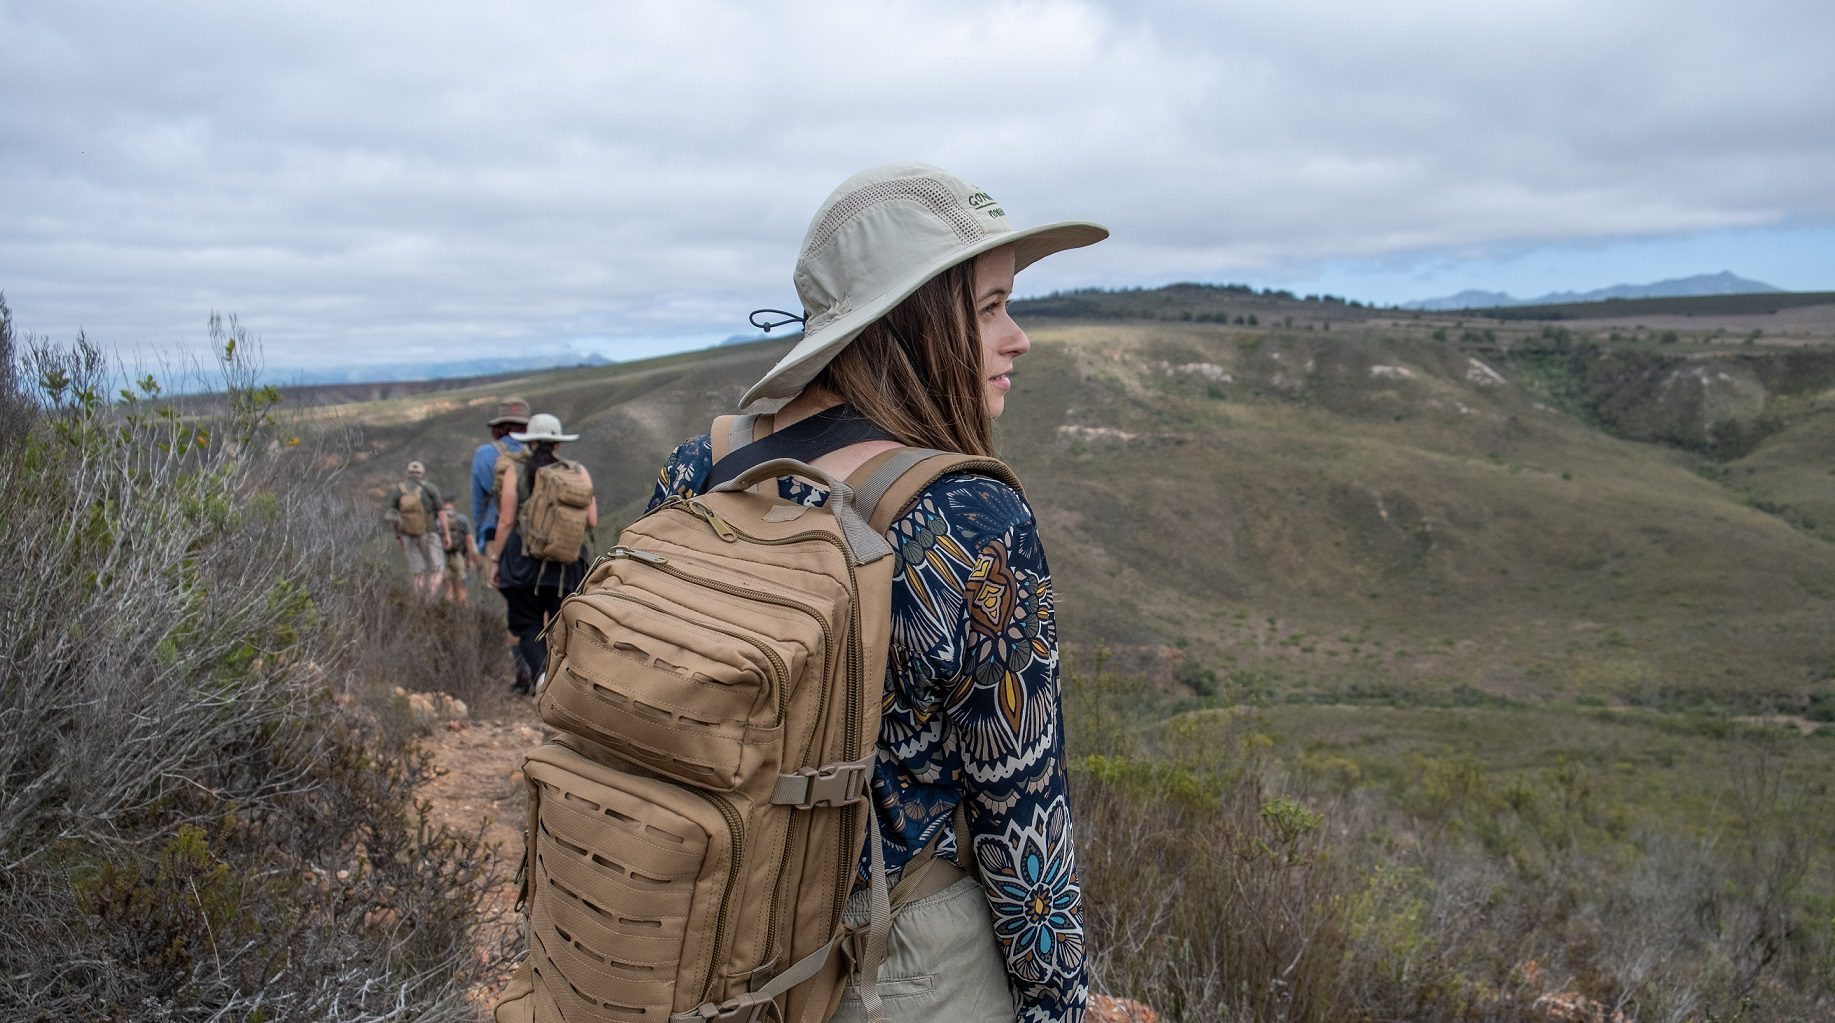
x=879 y=237
x=544 y=427
x=416 y=469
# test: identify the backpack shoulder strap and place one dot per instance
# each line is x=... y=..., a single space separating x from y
x=886 y=484
x=730 y=433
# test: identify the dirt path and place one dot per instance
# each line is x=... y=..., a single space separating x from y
x=476 y=783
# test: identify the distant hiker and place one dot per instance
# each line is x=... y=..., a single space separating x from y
x=545 y=512
x=512 y=414
x=461 y=554
x=419 y=517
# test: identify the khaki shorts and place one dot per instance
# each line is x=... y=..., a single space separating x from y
x=943 y=964
x=457 y=567
x=424 y=554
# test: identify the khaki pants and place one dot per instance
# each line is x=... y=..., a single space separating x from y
x=424 y=554
x=943 y=964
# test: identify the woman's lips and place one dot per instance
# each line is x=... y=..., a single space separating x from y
x=1003 y=381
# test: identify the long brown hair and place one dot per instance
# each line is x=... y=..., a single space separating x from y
x=916 y=371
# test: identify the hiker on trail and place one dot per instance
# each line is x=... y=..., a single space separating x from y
x=419 y=518
x=461 y=554
x=545 y=513
x=905 y=276
x=512 y=414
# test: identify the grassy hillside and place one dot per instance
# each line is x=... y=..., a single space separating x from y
x=1445 y=657
x=1380 y=506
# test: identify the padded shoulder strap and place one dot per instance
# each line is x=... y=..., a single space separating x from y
x=886 y=484
x=729 y=433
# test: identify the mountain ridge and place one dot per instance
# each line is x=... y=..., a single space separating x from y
x=1723 y=283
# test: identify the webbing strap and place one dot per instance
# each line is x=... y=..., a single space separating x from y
x=751 y=1005
x=879 y=925
x=873 y=489
x=741 y=433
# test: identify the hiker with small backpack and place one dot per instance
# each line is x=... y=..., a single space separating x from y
x=461 y=554
x=421 y=529
x=537 y=552
x=810 y=762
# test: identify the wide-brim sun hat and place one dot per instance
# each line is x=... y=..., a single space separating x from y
x=879 y=237
x=510 y=410
x=544 y=427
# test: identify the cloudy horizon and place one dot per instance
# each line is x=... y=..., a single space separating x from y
x=462 y=180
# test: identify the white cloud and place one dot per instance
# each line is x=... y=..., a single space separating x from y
x=359 y=179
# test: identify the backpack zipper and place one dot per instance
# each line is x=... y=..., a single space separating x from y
x=844 y=863
x=736 y=828
x=663 y=564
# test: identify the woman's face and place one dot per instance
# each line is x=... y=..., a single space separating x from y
x=1001 y=339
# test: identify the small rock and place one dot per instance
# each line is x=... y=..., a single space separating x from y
x=1105 y=1009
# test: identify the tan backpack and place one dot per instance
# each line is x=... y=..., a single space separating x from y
x=694 y=832
x=551 y=510
x=412 y=508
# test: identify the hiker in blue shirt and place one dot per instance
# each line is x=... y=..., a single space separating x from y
x=512 y=415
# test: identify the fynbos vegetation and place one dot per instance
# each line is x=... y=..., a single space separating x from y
x=1232 y=877
x=198 y=818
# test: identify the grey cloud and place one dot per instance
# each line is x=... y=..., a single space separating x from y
x=357 y=178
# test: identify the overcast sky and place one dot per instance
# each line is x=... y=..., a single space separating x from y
x=372 y=182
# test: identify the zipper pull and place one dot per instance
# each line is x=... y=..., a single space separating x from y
x=713 y=519
x=646 y=557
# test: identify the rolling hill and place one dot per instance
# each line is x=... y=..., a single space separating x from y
x=1337 y=501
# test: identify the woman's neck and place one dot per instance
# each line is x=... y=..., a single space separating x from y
x=803 y=406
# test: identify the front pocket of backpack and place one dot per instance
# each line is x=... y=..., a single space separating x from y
x=679 y=694
x=632 y=888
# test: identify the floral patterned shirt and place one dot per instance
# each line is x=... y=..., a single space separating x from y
x=971 y=709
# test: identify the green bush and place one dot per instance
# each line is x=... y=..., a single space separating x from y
x=198 y=818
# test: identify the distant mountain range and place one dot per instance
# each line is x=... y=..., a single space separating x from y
x=382 y=372
x=1722 y=283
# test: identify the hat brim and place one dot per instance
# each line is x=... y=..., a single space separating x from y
x=506 y=420
x=795 y=370
x=556 y=438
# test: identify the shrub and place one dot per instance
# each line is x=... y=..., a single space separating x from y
x=197 y=822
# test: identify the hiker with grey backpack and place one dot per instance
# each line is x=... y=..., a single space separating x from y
x=545 y=514
x=811 y=753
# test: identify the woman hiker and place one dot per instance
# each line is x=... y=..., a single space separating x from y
x=905 y=276
x=532 y=587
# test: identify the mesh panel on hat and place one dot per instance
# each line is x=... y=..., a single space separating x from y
x=933 y=194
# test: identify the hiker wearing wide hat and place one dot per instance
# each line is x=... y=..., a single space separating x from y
x=537 y=553
x=421 y=529
x=462 y=554
x=512 y=414
x=904 y=275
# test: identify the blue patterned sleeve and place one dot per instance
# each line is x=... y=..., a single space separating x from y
x=1007 y=722
x=681 y=476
